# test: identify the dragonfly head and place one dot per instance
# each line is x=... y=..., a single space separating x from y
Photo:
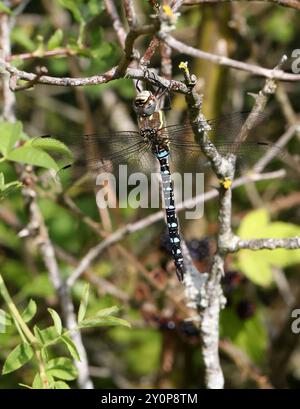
x=145 y=103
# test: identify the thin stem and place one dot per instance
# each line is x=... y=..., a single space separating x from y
x=24 y=331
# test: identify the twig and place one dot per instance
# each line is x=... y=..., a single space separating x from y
x=47 y=53
x=130 y=13
x=261 y=98
x=166 y=61
x=273 y=151
x=9 y=99
x=110 y=75
x=145 y=60
x=291 y=243
x=133 y=34
x=285 y=3
x=117 y=25
x=40 y=71
x=243 y=362
x=285 y=105
x=228 y=62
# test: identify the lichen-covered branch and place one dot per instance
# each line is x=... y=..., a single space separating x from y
x=110 y=75
x=212 y=299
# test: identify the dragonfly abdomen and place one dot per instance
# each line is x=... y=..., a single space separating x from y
x=172 y=221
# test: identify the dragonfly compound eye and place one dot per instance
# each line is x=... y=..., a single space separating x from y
x=144 y=104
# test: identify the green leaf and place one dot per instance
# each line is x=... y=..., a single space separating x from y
x=107 y=311
x=250 y=335
x=105 y=321
x=50 y=144
x=32 y=156
x=258 y=265
x=46 y=335
x=10 y=133
x=61 y=368
x=29 y=311
x=17 y=358
x=61 y=385
x=8 y=188
x=102 y=51
x=252 y=223
x=38 y=334
x=45 y=353
x=55 y=40
x=56 y=320
x=5 y=321
x=71 y=347
x=72 y=6
x=4 y=9
x=255 y=267
x=37 y=382
x=20 y=37
x=83 y=303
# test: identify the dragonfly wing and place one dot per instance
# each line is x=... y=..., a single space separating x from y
x=93 y=153
x=247 y=154
x=225 y=127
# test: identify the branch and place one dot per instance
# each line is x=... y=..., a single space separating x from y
x=117 y=25
x=285 y=3
x=30 y=84
x=212 y=299
x=228 y=62
x=291 y=243
x=130 y=13
x=273 y=152
x=110 y=75
x=47 y=53
x=9 y=99
x=133 y=34
x=246 y=366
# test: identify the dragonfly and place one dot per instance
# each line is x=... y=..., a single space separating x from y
x=155 y=140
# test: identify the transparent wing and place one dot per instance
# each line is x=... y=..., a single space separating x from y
x=227 y=126
x=223 y=133
x=95 y=153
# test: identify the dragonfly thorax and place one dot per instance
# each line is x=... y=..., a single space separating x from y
x=153 y=136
